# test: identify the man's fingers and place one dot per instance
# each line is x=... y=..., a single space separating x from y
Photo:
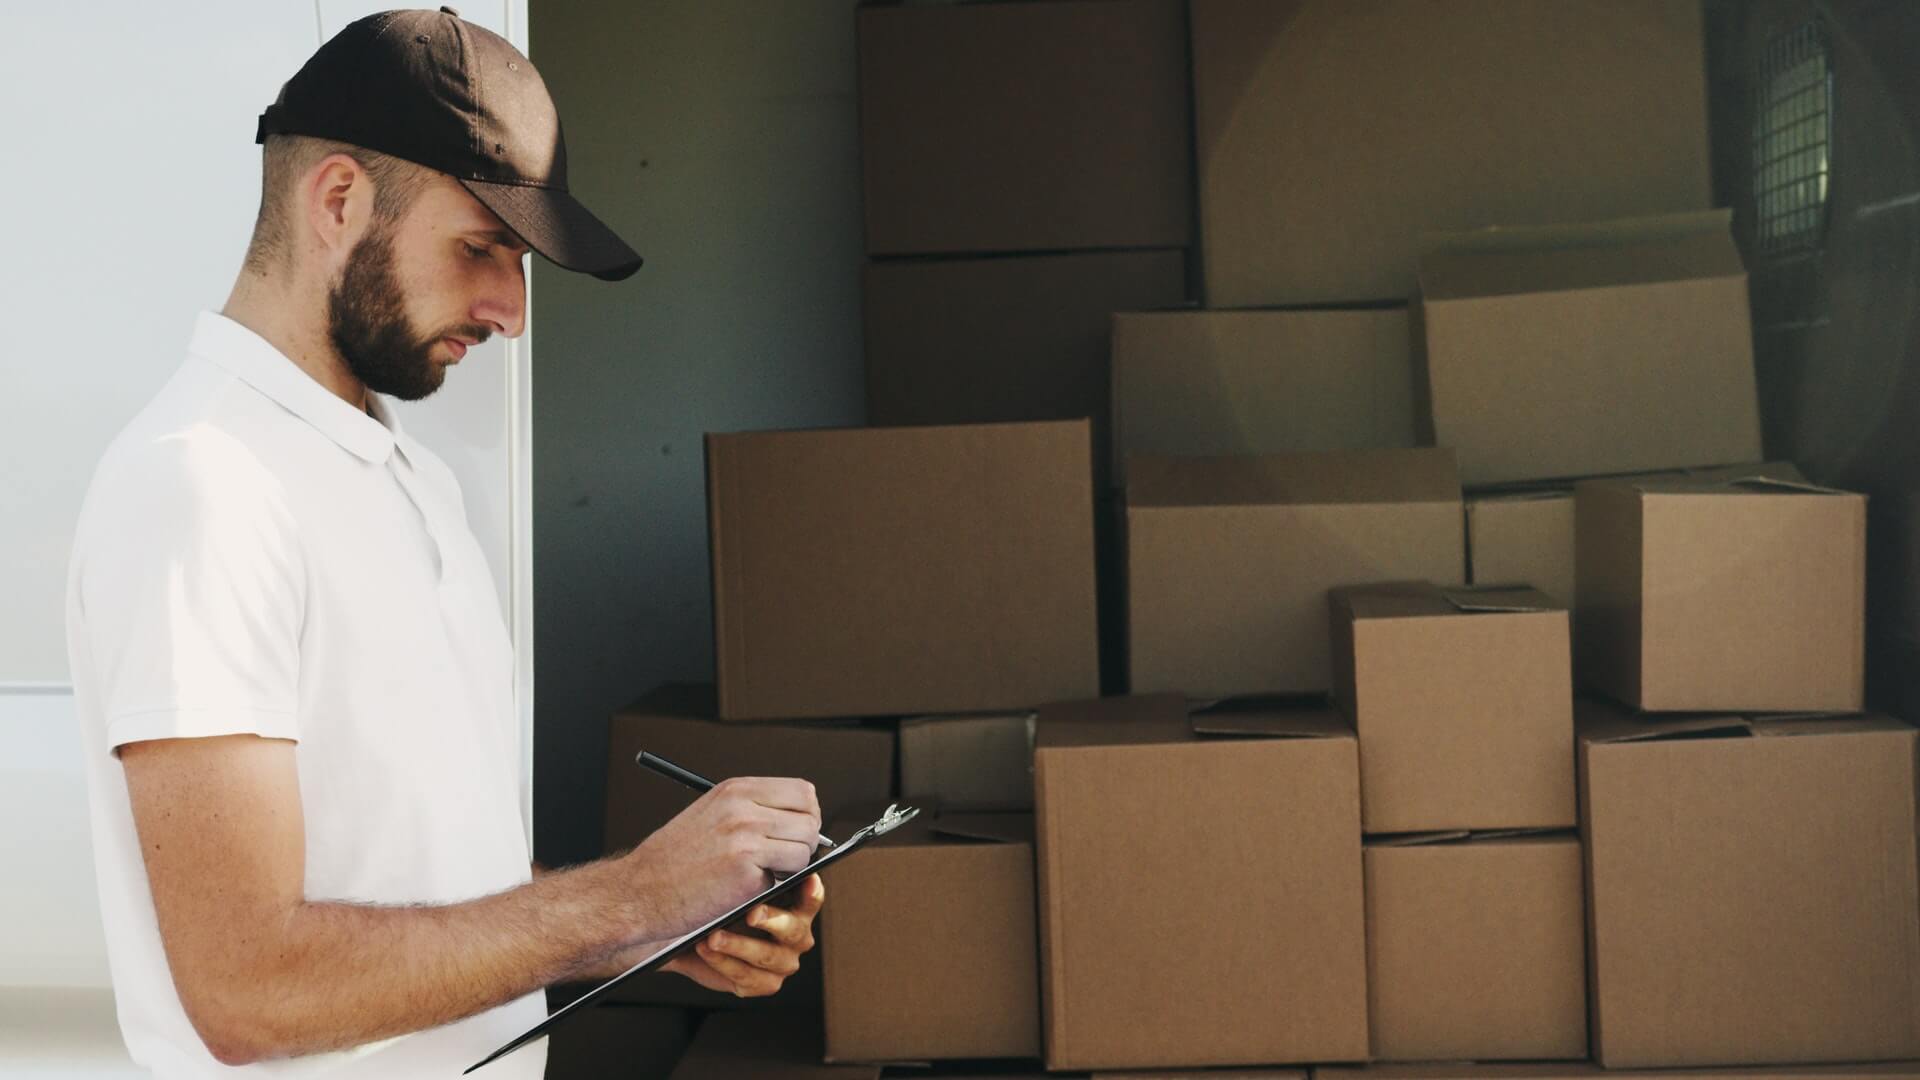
x=781 y=793
x=747 y=980
x=812 y=895
x=790 y=928
x=798 y=828
x=695 y=967
x=758 y=952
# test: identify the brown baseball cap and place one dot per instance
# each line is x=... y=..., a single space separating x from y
x=431 y=88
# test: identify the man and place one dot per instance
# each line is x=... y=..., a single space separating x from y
x=289 y=662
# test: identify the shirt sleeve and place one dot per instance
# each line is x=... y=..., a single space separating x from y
x=192 y=591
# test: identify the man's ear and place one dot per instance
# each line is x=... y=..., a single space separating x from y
x=338 y=201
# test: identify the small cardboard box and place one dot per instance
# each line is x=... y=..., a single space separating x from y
x=762 y=1046
x=1575 y=110
x=1202 y=383
x=966 y=341
x=1722 y=593
x=1200 y=897
x=1463 y=699
x=1022 y=127
x=1476 y=947
x=1523 y=538
x=620 y=1040
x=1583 y=350
x=930 y=949
x=1229 y=559
x=1568 y=1070
x=1751 y=888
x=849 y=766
x=968 y=763
x=879 y=572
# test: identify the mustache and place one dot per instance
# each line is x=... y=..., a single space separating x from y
x=465 y=331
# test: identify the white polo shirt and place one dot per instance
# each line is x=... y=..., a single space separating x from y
x=257 y=555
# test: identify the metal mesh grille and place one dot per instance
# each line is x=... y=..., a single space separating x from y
x=1792 y=129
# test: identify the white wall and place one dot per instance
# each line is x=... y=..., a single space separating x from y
x=133 y=179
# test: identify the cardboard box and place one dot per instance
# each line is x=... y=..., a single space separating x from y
x=762 y=1046
x=849 y=766
x=1022 y=127
x=1229 y=559
x=1200 y=897
x=1751 y=888
x=1476 y=947
x=619 y=1040
x=987 y=340
x=1523 y=538
x=1202 y=1074
x=1583 y=350
x=1488 y=114
x=931 y=950
x=1463 y=699
x=1707 y=593
x=1204 y=383
x=968 y=763
x=1568 y=1070
x=914 y=570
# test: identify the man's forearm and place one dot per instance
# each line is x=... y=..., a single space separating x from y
x=339 y=975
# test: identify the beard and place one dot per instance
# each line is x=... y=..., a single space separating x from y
x=367 y=321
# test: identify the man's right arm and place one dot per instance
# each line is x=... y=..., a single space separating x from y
x=263 y=972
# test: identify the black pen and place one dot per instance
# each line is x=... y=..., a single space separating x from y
x=692 y=779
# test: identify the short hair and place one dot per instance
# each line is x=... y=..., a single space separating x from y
x=287 y=158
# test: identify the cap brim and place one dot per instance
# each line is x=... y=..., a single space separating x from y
x=557 y=226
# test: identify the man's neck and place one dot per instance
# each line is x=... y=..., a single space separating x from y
x=296 y=326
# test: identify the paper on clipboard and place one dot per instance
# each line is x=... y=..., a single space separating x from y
x=893 y=818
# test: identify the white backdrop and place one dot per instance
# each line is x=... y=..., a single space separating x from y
x=131 y=181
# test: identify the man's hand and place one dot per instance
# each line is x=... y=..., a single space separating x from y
x=718 y=852
x=744 y=965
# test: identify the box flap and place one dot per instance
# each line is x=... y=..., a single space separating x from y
x=1113 y=721
x=1350 y=476
x=1827 y=724
x=1476 y=599
x=1271 y=718
x=1504 y=261
x=1000 y=828
x=1462 y=836
x=1606 y=722
x=1419 y=599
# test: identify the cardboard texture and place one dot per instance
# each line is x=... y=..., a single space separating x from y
x=848 y=765
x=1523 y=538
x=1019 y=127
x=968 y=762
x=1710 y=593
x=1476 y=948
x=1905 y=1070
x=1229 y=559
x=1200 y=897
x=1487 y=113
x=1579 y=351
x=915 y=570
x=1463 y=700
x=620 y=1040
x=985 y=340
x=1202 y=1074
x=930 y=948
x=1204 y=383
x=1751 y=888
x=763 y=1046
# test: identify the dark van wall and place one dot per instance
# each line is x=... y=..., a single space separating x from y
x=1837 y=338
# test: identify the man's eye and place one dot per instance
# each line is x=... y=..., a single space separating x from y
x=475 y=252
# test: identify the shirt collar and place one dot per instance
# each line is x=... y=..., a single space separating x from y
x=252 y=359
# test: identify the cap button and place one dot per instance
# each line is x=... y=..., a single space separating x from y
x=451 y=11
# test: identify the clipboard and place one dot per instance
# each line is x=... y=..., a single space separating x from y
x=894 y=817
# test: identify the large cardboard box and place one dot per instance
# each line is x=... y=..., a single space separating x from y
x=1476 y=947
x=1200 y=896
x=1021 y=127
x=1204 y=383
x=1752 y=888
x=1722 y=593
x=762 y=1046
x=1569 y=1070
x=1475 y=114
x=968 y=763
x=984 y=340
x=898 y=571
x=619 y=1040
x=1229 y=559
x=1463 y=699
x=1583 y=350
x=1523 y=538
x=849 y=765
x=930 y=948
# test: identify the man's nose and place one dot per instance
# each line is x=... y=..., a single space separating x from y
x=504 y=306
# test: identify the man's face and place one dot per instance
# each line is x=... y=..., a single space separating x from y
x=416 y=293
